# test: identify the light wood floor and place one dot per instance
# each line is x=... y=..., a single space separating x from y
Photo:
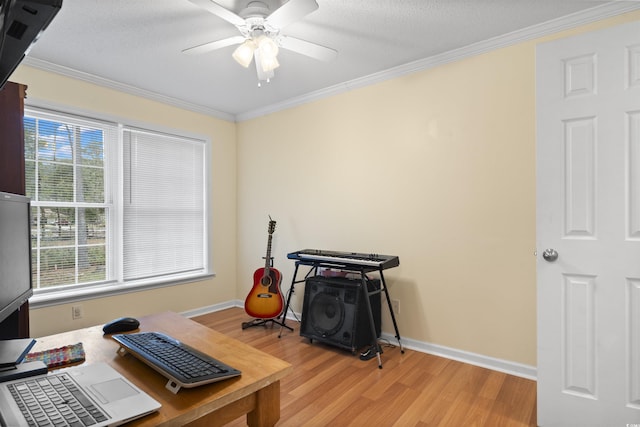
x=332 y=387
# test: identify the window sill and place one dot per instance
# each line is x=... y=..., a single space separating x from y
x=48 y=299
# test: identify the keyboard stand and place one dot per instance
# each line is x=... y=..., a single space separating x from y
x=314 y=270
x=362 y=270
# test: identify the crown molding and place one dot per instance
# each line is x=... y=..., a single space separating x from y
x=121 y=87
x=536 y=31
x=550 y=27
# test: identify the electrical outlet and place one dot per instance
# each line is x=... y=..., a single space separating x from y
x=76 y=312
x=395 y=305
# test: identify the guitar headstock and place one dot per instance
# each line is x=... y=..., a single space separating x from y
x=272 y=226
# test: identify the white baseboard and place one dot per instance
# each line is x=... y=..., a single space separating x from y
x=495 y=364
x=212 y=308
x=500 y=365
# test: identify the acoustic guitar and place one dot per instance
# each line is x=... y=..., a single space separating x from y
x=265 y=299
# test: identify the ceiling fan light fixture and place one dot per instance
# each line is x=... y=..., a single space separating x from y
x=267 y=46
x=263 y=75
x=244 y=53
x=269 y=63
x=260 y=37
x=268 y=53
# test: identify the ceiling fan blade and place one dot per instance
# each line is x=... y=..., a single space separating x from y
x=307 y=48
x=219 y=11
x=290 y=12
x=211 y=46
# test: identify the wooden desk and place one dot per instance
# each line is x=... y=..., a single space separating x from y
x=255 y=393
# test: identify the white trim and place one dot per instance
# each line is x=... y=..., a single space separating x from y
x=211 y=308
x=125 y=88
x=570 y=21
x=509 y=39
x=228 y=304
x=495 y=364
x=500 y=365
x=88 y=292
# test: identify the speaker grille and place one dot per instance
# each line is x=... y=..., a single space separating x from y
x=334 y=312
x=327 y=313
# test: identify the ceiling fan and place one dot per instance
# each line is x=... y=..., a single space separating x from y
x=261 y=35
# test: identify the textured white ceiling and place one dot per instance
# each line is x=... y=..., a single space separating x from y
x=138 y=43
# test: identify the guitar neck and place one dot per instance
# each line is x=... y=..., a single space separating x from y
x=267 y=260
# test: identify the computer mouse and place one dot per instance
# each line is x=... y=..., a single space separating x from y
x=122 y=324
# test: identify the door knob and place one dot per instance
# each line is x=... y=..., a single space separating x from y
x=550 y=255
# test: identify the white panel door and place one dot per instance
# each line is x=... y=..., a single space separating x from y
x=588 y=213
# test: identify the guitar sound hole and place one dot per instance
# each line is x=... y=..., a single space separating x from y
x=266 y=281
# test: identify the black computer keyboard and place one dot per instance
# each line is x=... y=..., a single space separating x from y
x=183 y=365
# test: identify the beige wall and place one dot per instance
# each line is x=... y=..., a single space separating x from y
x=437 y=167
x=77 y=95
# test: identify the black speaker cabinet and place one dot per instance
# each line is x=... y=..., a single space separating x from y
x=334 y=312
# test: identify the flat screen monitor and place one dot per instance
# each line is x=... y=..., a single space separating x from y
x=15 y=252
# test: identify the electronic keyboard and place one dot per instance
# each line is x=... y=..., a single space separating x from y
x=348 y=259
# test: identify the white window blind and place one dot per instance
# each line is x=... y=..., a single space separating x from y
x=164 y=218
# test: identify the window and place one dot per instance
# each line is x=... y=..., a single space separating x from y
x=112 y=205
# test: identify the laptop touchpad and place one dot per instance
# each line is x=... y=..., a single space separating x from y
x=112 y=390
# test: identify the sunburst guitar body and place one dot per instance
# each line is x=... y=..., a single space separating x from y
x=265 y=299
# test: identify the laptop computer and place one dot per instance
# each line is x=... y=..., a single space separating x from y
x=93 y=394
